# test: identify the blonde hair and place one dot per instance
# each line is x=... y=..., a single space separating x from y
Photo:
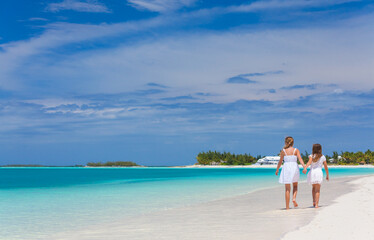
x=316 y=152
x=288 y=142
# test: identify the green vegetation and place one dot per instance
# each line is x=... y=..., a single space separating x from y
x=217 y=158
x=353 y=158
x=305 y=156
x=36 y=165
x=22 y=165
x=344 y=158
x=112 y=164
x=90 y=164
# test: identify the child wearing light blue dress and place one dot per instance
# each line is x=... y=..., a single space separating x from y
x=290 y=173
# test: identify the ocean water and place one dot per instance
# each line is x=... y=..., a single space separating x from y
x=36 y=202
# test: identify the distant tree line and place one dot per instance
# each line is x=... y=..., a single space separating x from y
x=346 y=158
x=37 y=165
x=225 y=158
x=22 y=165
x=112 y=164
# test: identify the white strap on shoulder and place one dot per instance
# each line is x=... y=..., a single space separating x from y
x=284 y=150
x=294 y=151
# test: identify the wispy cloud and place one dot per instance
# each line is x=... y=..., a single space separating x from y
x=281 y=4
x=152 y=84
x=187 y=63
x=79 y=6
x=305 y=86
x=241 y=79
x=309 y=86
x=113 y=116
x=160 y=5
x=244 y=78
x=258 y=74
x=189 y=97
x=38 y=19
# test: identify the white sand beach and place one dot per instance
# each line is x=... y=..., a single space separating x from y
x=351 y=217
x=258 y=215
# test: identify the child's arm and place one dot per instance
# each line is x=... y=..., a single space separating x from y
x=300 y=158
x=327 y=170
x=280 y=162
x=308 y=164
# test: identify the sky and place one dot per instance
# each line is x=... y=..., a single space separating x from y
x=158 y=81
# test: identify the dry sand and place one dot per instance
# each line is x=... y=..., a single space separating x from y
x=351 y=217
x=258 y=215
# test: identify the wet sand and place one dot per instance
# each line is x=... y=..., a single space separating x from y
x=257 y=215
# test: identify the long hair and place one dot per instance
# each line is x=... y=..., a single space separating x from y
x=316 y=152
x=288 y=142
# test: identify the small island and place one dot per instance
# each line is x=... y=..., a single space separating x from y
x=225 y=158
x=90 y=164
x=35 y=166
x=112 y=164
x=23 y=165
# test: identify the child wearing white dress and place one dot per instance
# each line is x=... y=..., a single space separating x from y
x=290 y=171
x=315 y=175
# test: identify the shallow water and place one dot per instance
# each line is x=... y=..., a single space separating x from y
x=35 y=202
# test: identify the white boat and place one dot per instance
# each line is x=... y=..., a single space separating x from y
x=268 y=160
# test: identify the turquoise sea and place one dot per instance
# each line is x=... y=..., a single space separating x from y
x=36 y=202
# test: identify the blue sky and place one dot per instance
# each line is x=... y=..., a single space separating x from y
x=157 y=81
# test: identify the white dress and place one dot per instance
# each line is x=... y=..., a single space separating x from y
x=315 y=175
x=290 y=172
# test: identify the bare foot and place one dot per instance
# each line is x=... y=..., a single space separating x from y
x=295 y=203
x=314 y=204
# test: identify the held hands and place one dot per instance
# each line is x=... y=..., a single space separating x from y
x=304 y=171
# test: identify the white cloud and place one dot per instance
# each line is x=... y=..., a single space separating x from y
x=341 y=54
x=56 y=102
x=188 y=62
x=13 y=55
x=38 y=19
x=160 y=5
x=279 y=4
x=80 y=6
x=60 y=34
x=110 y=113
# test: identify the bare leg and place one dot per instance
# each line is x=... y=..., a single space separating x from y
x=294 y=194
x=288 y=190
x=318 y=188
x=314 y=196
